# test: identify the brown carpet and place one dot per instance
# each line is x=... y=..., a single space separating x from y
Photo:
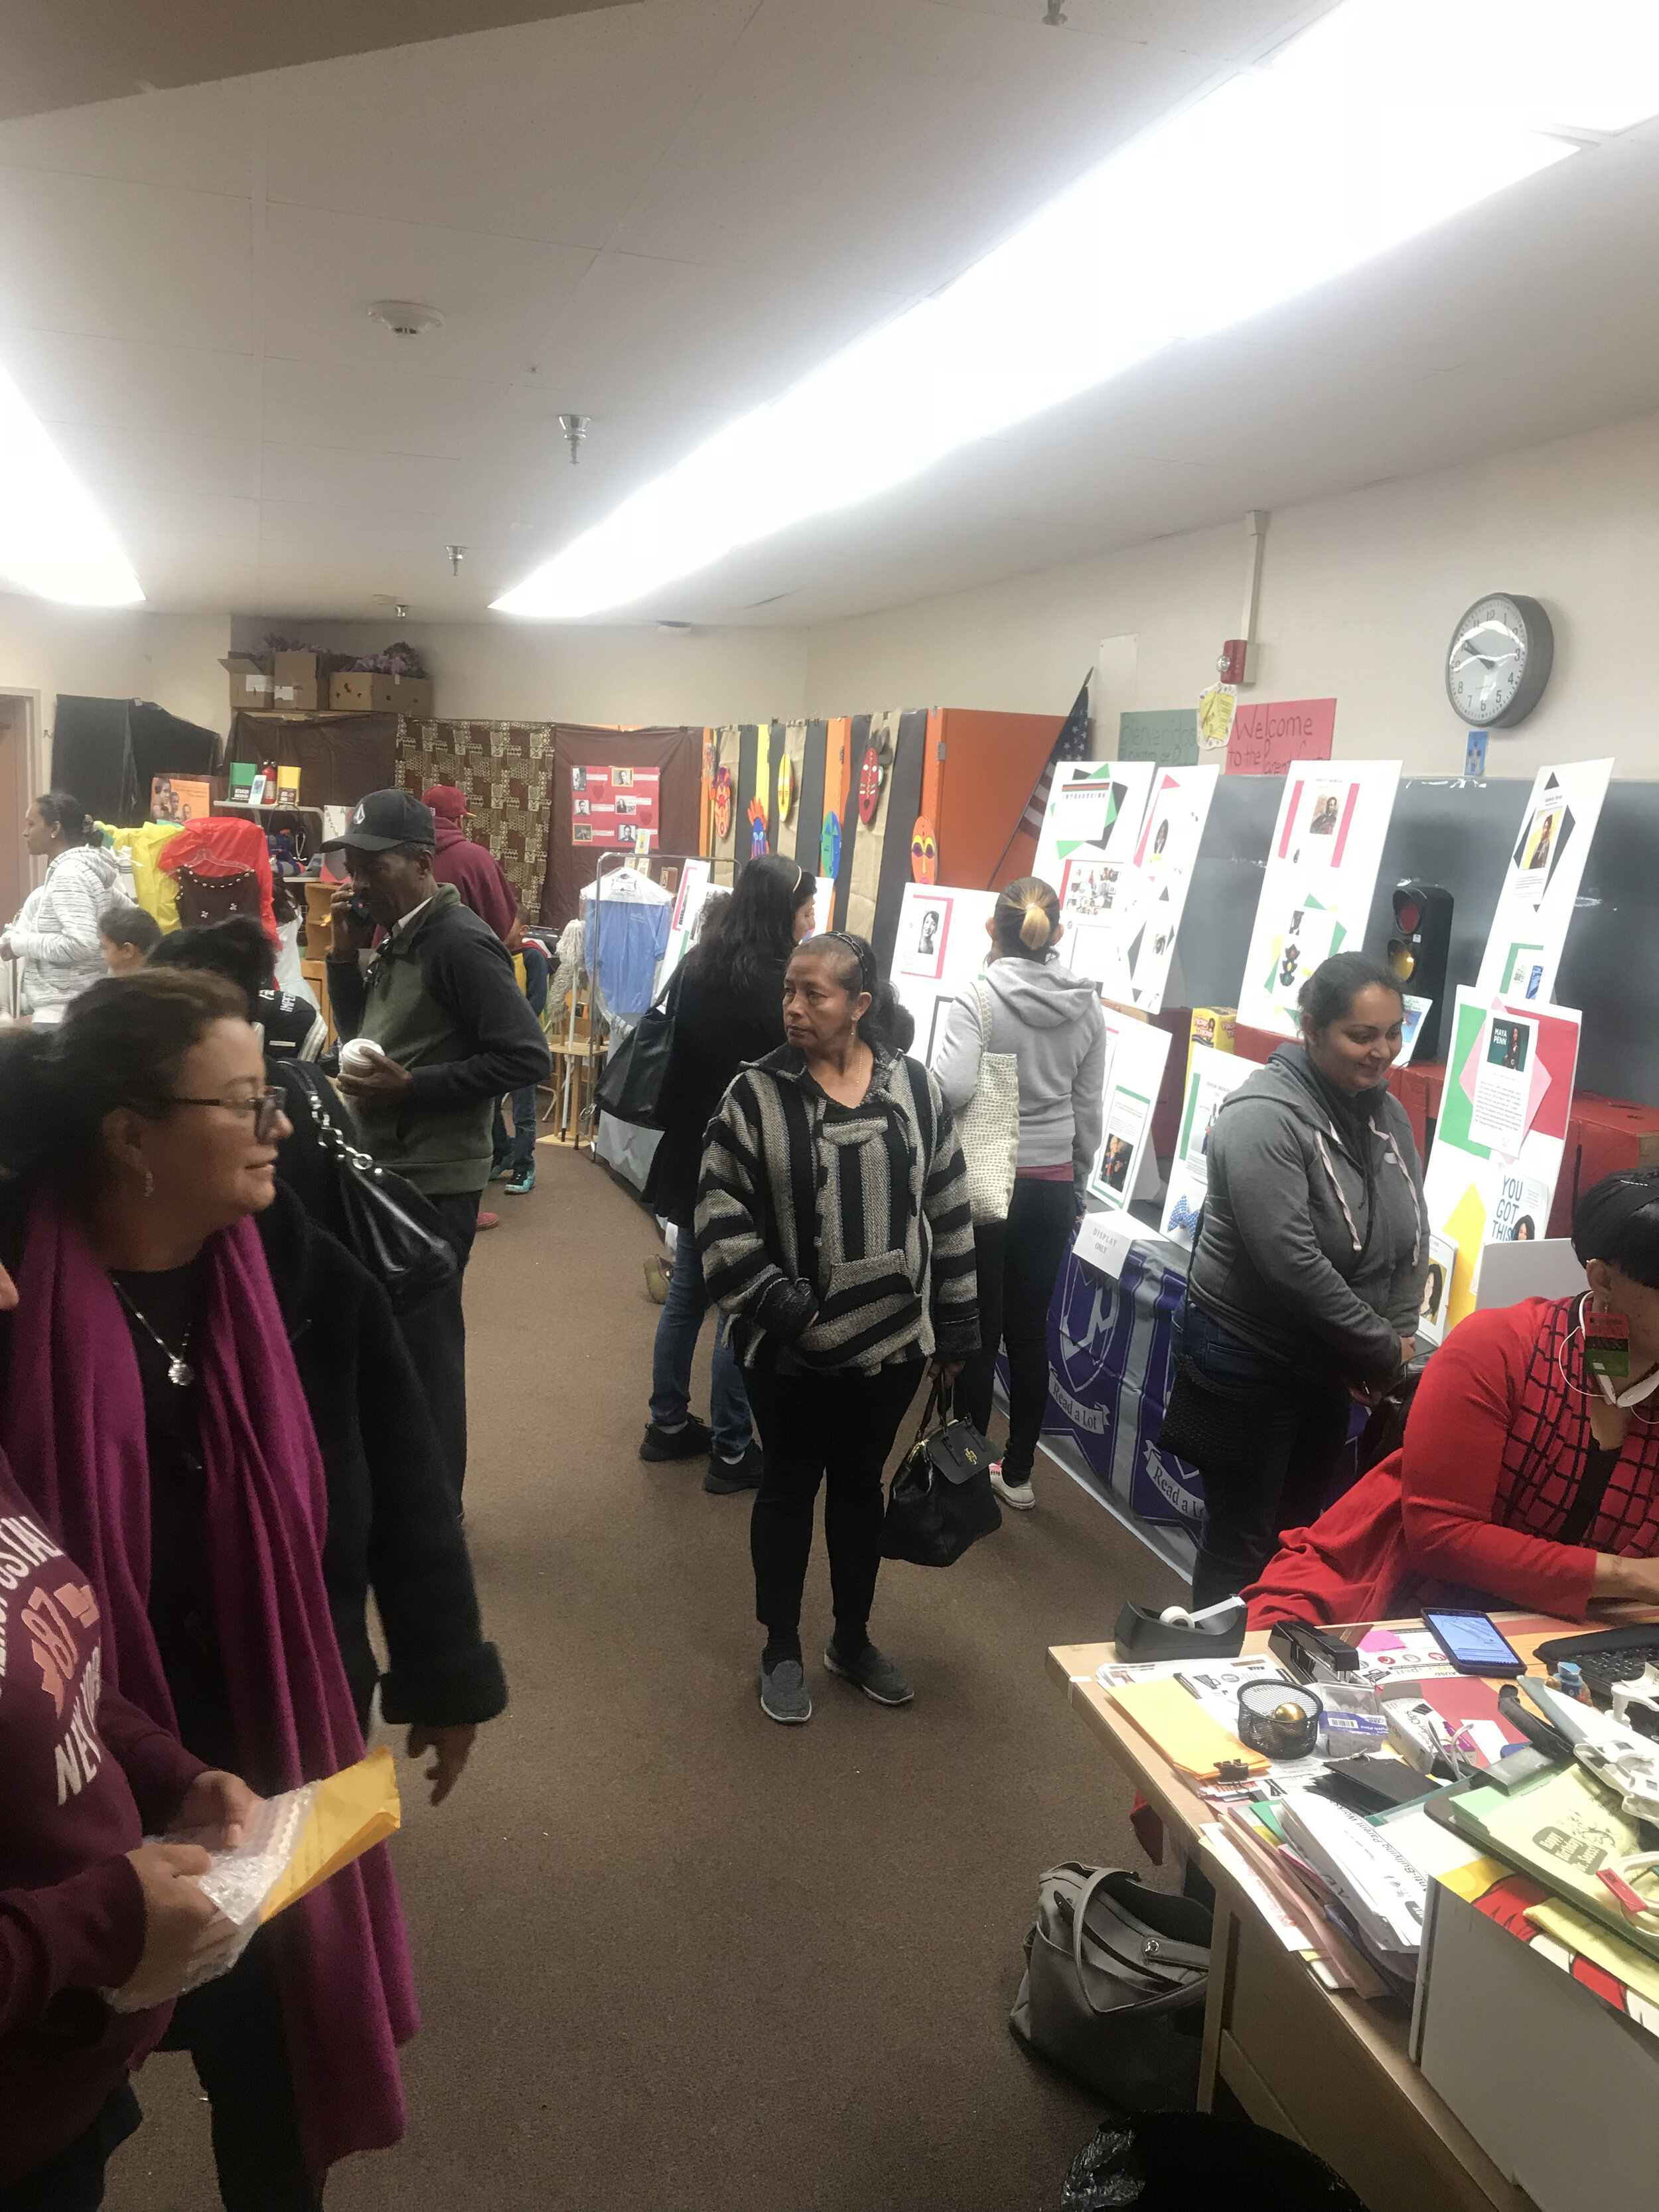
x=669 y=1955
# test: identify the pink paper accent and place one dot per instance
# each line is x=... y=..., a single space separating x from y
x=1290 y=817
x=1269 y=735
x=1168 y=784
x=1347 y=823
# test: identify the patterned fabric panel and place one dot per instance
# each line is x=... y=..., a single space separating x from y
x=1549 y=1439
x=503 y=767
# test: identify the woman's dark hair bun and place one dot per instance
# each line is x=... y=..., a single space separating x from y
x=1337 y=982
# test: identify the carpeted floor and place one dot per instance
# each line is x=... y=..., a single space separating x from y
x=669 y=1955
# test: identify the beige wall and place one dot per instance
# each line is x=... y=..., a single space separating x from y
x=501 y=671
x=1359 y=593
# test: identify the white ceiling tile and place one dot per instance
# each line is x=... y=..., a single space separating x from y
x=497 y=295
x=122 y=260
x=196 y=140
x=125 y=383
x=541 y=131
x=309 y=403
x=144 y=460
x=1216 y=30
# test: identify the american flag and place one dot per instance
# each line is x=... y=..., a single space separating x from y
x=1072 y=745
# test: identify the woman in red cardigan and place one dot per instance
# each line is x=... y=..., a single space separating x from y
x=1525 y=1479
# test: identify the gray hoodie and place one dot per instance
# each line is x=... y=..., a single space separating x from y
x=1314 y=1243
x=1050 y=1020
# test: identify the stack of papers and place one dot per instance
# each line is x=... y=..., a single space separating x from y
x=1382 y=1893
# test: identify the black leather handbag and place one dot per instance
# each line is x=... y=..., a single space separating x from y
x=381 y=1218
x=631 y=1087
x=941 y=1500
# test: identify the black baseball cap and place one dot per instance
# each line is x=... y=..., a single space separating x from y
x=385 y=819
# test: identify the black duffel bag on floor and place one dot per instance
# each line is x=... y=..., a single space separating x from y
x=1115 y=1978
x=941 y=1500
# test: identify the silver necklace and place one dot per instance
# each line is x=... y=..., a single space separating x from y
x=180 y=1373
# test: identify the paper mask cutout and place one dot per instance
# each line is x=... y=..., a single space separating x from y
x=722 y=803
x=756 y=829
x=869 y=786
x=786 y=788
x=924 y=852
x=829 y=847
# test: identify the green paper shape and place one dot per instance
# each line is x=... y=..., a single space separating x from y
x=1456 y=1110
x=1168 y=735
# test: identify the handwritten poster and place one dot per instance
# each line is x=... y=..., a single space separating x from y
x=615 y=807
x=1167 y=736
x=1269 y=735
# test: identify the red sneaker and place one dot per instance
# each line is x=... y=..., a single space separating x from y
x=487 y=1220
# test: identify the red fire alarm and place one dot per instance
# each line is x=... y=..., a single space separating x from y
x=1230 y=666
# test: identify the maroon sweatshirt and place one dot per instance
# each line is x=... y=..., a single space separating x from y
x=476 y=875
x=83 y=1774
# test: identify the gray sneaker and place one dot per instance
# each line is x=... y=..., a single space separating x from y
x=874 y=1673
x=783 y=1693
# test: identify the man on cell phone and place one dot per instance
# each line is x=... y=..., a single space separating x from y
x=440 y=1027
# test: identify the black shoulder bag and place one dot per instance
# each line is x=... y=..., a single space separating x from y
x=631 y=1087
x=941 y=1500
x=384 y=1221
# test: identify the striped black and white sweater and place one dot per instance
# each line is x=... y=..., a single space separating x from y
x=841 y=1236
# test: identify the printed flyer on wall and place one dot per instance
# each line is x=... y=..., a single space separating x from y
x=1316 y=889
x=1135 y=1056
x=615 y=807
x=1540 y=886
x=1096 y=804
x=1211 y=1077
x=1496 y=1157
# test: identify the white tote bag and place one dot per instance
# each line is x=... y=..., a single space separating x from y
x=989 y=1124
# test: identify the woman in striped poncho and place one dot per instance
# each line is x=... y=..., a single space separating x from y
x=833 y=1225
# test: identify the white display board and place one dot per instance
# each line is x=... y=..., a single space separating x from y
x=1498 y=1140
x=1540 y=885
x=1165 y=855
x=1320 y=874
x=689 y=901
x=1097 y=805
x=940 y=945
x=1135 y=1054
x=1212 y=1076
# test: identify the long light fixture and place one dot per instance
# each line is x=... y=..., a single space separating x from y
x=1383 y=119
x=54 y=542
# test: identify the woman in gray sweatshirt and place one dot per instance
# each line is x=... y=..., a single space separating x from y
x=1308 y=1270
x=1050 y=1020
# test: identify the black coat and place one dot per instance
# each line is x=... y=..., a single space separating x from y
x=717 y=1028
x=391 y=1526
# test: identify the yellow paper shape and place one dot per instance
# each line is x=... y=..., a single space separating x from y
x=352 y=1812
x=1559 y=1921
x=764 y=766
x=1466 y=1225
x=1175 y=1720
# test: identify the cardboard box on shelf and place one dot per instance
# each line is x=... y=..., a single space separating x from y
x=300 y=682
x=251 y=683
x=360 y=692
x=1214 y=1026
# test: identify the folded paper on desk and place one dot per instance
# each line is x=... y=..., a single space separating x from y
x=1560 y=1830
x=296 y=1842
x=1173 y=1719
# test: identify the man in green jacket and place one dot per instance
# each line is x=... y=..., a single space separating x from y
x=435 y=1029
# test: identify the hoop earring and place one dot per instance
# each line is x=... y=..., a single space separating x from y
x=149 y=1184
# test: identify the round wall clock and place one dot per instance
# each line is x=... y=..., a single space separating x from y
x=1498 y=661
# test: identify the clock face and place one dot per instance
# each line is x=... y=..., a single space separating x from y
x=1499 y=661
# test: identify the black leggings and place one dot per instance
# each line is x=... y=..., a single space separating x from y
x=1019 y=1261
x=73 y=2181
x=840 y=1426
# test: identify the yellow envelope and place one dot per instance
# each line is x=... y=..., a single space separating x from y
x=351 y=1812
x=1182 y=1730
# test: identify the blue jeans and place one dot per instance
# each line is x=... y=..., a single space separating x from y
x=677 y=1326
x=518 y=1149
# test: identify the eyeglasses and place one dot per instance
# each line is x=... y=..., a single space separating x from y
x=266 y=1106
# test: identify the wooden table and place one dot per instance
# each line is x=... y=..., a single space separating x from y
x=1326 y=2067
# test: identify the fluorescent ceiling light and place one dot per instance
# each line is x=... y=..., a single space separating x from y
x=1386 y=117
x=53 y=540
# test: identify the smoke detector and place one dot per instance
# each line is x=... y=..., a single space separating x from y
x=405 y=318
x=575 y=429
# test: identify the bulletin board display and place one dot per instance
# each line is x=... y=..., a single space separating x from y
x=1094 y=807
x=1322 y=867
x=1496 y=1157
x=1166 y=854
x=1540 y=890
x=1124 y=1168
x=616 y=807
x=939 y=948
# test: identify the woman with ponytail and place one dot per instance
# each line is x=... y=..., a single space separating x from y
x=1050 y=1020
x=55 y=934
x=834 y=1226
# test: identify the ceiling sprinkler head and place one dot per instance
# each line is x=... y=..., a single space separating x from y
x=401 y=611
x=575 y=429
x=1055 y=13
x=405 y=318
x=456 y=555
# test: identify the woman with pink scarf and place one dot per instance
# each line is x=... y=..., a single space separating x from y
x=152 y=1410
